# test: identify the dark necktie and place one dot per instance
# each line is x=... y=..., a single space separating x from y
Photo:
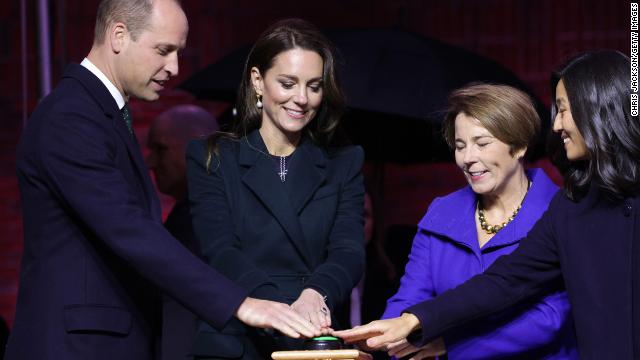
x=126 y=115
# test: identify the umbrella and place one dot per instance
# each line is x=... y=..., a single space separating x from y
x=220 y=80
x=396 y=85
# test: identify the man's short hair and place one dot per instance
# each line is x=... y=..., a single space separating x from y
x=134 y=14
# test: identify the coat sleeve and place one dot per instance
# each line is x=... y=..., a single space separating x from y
x=344 y=264
x=77 y=156
x=213 y=224
x=512 y=278
x=416 y=284
x=544 y=323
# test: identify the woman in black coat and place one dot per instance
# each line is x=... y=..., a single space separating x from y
x=277 y=205
x=589 y=238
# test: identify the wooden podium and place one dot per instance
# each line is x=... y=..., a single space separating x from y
x=348 y=354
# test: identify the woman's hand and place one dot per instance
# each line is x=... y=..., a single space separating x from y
x=310 y=305
x=271 y=314
x=403 y=348
x=381 y=333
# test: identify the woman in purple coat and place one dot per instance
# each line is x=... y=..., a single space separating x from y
x=490 y=128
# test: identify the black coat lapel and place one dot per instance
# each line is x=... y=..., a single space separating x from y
x=307 y=169
x=143 y=172
x=101 y=94
x=262 y=179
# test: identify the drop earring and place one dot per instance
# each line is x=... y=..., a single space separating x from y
x=259 y=102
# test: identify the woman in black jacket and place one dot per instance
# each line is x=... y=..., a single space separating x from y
x=277 y=205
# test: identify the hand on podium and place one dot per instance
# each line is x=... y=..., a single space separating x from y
x=379 y=334
x=270 y=314
x=311 y=305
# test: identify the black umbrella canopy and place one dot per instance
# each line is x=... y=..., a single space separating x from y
x=220 y=80
x=396 y=84
x=399 y=72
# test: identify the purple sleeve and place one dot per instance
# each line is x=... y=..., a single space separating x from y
x=512 y=278
x=416 y=284
x=539 y=325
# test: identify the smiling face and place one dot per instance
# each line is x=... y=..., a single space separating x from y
x=563 y=123
x=485 y=161
x=291 y=91
x=146 y=63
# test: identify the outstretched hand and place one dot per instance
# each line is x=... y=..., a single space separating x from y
x=381 y=333
x=270 y=314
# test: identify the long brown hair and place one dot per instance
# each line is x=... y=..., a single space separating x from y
x=282 y=36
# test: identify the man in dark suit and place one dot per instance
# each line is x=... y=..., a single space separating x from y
x=95 y=251
x=168 y=136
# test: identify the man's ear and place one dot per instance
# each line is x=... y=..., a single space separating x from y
x=256 y=80
x=118 y=36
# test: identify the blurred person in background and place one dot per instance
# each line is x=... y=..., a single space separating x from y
x=167 y=140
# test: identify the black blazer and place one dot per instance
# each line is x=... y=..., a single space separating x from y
x=594 y=245
x=95 y=251
x=276 y=238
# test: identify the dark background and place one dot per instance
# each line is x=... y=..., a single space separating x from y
x=529 y=37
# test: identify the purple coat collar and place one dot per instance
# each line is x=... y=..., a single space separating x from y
x=453 y=218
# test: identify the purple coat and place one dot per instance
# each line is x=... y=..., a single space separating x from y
x=445 y=253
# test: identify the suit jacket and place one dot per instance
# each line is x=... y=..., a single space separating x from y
x=446 y=252
x=95 y=250
x=594 y=245
x=179 y=325
x=276 y=238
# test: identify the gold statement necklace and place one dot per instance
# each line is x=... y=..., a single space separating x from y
x=493 y=229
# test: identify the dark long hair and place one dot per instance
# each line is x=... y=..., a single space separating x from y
x=282 y=36
x=599 y=95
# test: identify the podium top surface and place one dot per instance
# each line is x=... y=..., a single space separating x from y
x=320 y=355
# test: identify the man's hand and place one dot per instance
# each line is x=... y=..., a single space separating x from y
x=403 y=348
x=381 y=333
x=279 y=316
x=311 y=306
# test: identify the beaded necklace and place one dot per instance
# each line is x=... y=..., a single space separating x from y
x=493 y=229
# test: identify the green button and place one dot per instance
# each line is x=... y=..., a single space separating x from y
x=324 y=338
